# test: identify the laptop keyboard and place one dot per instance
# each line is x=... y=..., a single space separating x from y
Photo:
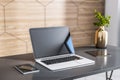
x=59 y=60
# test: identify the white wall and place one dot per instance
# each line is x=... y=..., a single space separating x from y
x=119 y=20
x=112 y=8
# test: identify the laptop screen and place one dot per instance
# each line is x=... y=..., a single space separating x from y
x=51 y=41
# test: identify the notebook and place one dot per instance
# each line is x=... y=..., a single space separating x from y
x=53 y=48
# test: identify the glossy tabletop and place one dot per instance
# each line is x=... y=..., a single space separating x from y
x=102 y=64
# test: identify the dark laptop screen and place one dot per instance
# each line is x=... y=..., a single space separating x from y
x=51 y=41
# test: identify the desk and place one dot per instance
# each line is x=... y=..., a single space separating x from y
x=103 y=64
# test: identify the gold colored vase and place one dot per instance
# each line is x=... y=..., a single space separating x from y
x=101 y=37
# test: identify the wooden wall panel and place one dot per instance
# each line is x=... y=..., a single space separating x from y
x=1 y=20
x=61 y=13
x=10 y=45
x=17 y=16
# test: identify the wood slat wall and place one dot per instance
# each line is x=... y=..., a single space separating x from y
x=17 y=16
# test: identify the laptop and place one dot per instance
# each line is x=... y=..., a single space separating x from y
x=53 y=48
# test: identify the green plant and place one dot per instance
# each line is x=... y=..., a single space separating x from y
x=101 y=19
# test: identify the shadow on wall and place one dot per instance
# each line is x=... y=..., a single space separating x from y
x=71 y=18
x=80 y=18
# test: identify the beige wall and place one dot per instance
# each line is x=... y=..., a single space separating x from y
x=17 y=16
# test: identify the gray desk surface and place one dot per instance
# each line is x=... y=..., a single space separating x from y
x=103 y=64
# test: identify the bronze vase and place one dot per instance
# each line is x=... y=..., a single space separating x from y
x=101 y=37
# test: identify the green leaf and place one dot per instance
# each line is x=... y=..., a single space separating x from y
x=101 y=20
